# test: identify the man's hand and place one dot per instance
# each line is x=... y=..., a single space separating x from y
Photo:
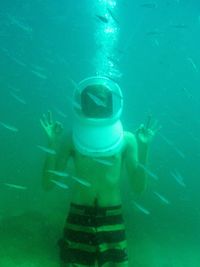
x=52 y=129
x=146 y=132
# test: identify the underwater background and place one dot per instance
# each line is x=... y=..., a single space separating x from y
x=46 y=47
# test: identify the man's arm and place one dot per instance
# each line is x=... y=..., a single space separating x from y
x=133 y=158
x=58 y=161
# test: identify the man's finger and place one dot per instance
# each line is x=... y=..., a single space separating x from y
x=45 y=120
x=150 y=132
x=49 y=114
x=141 y=127
x=43 y=124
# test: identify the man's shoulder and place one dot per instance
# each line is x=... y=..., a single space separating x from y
x=129 y=138
x=130 y=145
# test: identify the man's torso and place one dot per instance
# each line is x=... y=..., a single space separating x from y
x=103 y=174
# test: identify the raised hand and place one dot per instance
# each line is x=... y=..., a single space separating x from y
x=52 y=129
x=146 y=132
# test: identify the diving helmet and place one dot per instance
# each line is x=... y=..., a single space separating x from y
x=97 y=106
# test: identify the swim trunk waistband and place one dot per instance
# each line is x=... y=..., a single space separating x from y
x=95 y=210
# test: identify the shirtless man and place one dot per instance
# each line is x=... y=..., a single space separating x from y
x=94 y=234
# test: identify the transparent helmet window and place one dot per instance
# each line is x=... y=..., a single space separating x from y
x=98 y=97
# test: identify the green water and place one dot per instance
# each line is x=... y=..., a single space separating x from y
x=47 y=44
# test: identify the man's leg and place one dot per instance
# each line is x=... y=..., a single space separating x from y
x=112 y=243
x=77 y=248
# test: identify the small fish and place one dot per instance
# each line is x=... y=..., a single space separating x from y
x=142 y=209
x=38 y=68
x=112 y=15
x=19 y=99
x=75 y=104
x=61 y=113
x=9 y=127
x=96 y=100
x=178 y=177
x=148 y=172
x=179 y=152
x=103 y=161
x=73 y=83
x=149 y=5
x=19 y=62
x=58 y=173
x=169 y=142
x=156 y=42
x=47 y=150
x=162 y=198
x=64 y=174
x=102 y=18
x=81 y=181
x=20 y=24
x=39 y=75
x=20 y=187
x=193 y=64
x=59 y=184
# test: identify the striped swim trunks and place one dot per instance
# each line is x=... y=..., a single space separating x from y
x=94 y=234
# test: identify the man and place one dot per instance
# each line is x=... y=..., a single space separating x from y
x=94 y=234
